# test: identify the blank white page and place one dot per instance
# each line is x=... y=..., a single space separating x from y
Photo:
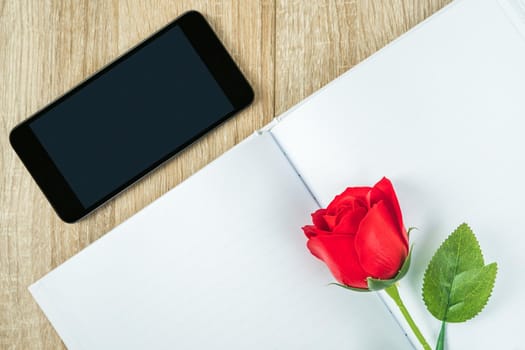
x=219 y=262
x=441 y=112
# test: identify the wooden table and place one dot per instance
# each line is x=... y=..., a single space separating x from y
x=287 y=49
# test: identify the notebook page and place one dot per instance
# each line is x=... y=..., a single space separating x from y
x=219 y=262
x=441 y=112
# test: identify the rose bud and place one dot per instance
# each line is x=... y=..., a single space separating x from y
x=361 y=236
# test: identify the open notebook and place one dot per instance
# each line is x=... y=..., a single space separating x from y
x=220 y=261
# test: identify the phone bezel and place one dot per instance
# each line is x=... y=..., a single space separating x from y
x=47 y=176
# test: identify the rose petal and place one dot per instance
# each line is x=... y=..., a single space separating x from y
x=384 y=190
x=378 y=243
x=348 y=197
x=318 y=220
x=310 y=231
x=348 y=222
x=339 y=254
x=330 y=221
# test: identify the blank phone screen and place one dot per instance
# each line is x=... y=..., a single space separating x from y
x=121 y=123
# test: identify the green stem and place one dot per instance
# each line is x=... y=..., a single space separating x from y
x=441 y=339
x=393 y=292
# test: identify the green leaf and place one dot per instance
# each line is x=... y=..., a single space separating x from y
x=377 y=284
x=457 y=284
x=470 y=292
x=410 y=229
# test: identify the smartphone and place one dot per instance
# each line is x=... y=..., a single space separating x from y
x=131 y=116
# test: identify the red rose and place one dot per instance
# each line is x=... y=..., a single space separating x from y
x=360 y=234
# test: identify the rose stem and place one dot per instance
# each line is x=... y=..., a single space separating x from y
x=393 y=292
x=441 y=339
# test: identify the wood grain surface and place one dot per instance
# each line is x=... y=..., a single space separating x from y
x=287 y=49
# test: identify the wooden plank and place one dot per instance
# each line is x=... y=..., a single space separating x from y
x=316 y=41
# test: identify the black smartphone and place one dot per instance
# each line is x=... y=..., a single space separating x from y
x=131 y=116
